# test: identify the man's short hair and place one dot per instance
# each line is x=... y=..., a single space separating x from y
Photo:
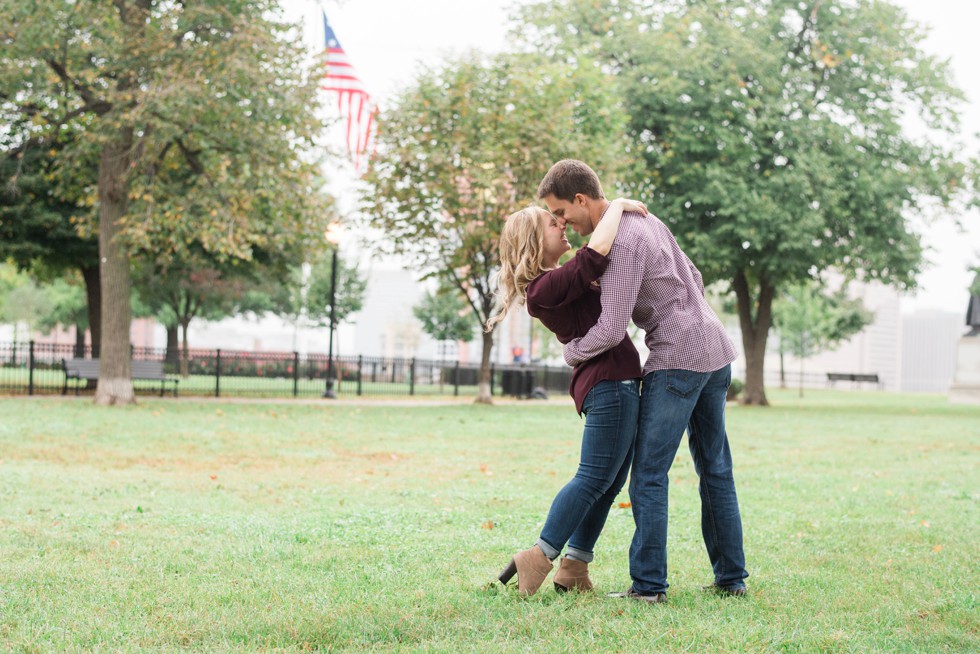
x=567 y=178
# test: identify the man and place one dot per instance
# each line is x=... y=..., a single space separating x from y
x=685 y=383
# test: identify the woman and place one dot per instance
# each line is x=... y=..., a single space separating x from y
x=606 y=388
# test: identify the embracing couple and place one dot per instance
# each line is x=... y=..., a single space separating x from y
x=634 y=419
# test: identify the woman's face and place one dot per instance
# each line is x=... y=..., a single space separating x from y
x=555 y=243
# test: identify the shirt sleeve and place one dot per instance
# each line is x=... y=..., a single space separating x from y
x=566 y=283
x=620 y=287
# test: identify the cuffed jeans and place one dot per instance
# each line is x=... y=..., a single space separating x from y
x=578 y=513
x=673 y=400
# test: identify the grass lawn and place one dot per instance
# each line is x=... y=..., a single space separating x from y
x=236 y=526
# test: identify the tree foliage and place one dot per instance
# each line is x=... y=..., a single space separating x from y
x=444 y=315
x=22 y=300
x=199 y=116
x=348 y=298
x=305 y=293
x=771 y=135
x=811 y=320
x=464 y=146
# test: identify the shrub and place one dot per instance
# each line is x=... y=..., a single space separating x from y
x=734 y=389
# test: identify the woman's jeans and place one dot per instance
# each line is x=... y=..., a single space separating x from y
x=579 y=511
x=672 y=401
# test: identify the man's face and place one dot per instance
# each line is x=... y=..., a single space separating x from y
x=574 y=214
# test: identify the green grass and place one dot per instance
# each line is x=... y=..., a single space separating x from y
x=213 y=526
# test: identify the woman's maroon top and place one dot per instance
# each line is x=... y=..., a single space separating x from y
x=566 y=301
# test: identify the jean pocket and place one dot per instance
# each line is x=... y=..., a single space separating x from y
x=682 y=382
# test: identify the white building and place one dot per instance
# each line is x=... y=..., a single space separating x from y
x=909 y=352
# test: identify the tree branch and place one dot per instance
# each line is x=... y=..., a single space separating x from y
x=92 y=102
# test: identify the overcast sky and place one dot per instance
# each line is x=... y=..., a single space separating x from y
x=387 y=41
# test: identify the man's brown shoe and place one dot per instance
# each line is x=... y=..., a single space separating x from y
x=656 y=598
x=726 y=591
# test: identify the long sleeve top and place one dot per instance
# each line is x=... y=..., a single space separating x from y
x=567 y=301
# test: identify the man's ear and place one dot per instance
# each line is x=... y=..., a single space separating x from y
x=581 y=199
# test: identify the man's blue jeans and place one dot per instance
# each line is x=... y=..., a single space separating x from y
x=579 y=511
x=672 y=401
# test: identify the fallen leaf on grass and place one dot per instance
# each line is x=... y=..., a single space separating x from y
x=489 y=524
x=625 y=505
x=213 y=477
x=937 y=548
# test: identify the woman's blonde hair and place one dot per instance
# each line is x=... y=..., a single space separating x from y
x=521 y=259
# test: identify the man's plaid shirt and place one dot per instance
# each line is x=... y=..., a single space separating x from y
x=650 y=277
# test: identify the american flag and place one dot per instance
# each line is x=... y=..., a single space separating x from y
x=353 y=99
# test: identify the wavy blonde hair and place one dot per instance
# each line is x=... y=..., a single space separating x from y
x=521 y=260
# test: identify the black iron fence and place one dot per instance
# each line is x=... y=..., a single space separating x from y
x=38 y=369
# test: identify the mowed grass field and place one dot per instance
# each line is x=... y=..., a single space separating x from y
x=188 y=525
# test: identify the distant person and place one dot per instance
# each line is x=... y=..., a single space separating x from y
x=685 y=383
x=605 y=387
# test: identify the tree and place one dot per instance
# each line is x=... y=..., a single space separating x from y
x=218 y=89
x=22 y=300
x=771 y=135
x=809 y=320
x=68 y=306
x=305 y=293
x=444 y=316
x=41 y=212
x=195 y=288
x=465 y=145
x=348 y=299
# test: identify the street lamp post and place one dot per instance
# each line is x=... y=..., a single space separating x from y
x=332 y=237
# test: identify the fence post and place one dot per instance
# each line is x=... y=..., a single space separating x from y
x=30 y=366
x=411 y=377
x=360 y=370
x=544 y=375
x=492 y=370
x=217 y=373
x=295 y=374
x=456 y=380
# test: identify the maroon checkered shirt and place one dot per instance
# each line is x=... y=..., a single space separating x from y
x=651 y=277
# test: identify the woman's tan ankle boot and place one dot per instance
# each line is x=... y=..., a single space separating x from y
x=531 y=567
x=572 y=573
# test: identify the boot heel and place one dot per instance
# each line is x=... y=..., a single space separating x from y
x=508 y=572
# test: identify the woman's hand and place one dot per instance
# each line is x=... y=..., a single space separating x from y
x=632 y=205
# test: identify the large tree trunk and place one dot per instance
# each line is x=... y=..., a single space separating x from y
x=185 y=359
x=755 y=318
x=483 y=389
x=93 y=297
x=115 y=370
x=173 y=346
x=79 y=341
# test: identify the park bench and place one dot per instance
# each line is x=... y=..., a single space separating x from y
x=855 y=377
x=85 y=369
